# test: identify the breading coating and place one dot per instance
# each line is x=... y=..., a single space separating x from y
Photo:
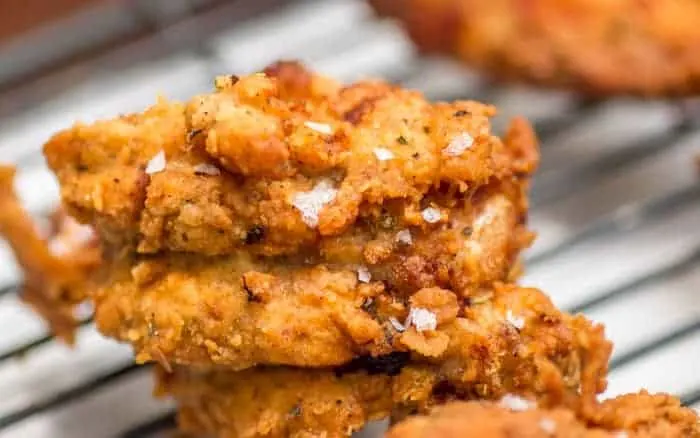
x=227 y=312
x=598 y=47
x=641 y=415
x=240 y=310
x=556 y=360
x=56 y=266
x=280 y=163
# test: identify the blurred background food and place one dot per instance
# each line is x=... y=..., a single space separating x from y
x=616 y=201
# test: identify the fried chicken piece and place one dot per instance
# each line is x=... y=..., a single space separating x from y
x=280 y=163
x=293 y=402
x=641 y=415
x=55 y=268
x=512 y=340
x=597 y=47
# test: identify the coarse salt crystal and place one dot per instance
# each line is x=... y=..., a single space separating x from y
x=156 y=164
x=383 y=154
x=458 y=145
x=421 y=319
x=621 y=434
x=404 y=236
x=206 y=169
x=516 y=321
x=548 y=425
x=397 y=325
x=431 y=215
x=323 y=128
x=363 y=274
x=516 y=403
x=311 y=203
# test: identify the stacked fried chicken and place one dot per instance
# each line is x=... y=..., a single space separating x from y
x=300 y=257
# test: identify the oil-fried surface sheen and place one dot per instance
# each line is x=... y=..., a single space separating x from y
x=641 y=415
x=595 y=46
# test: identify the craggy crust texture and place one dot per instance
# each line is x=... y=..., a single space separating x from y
x=476 y=348
x=295 y=403
x=266 y=139
x=277 y=402
x=639 y=415
x=598 y=47
x=56 y=266
x=240 y=310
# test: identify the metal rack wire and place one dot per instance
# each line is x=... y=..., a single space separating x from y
x=617 y=214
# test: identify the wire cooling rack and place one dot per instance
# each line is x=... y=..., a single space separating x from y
x=616 y=202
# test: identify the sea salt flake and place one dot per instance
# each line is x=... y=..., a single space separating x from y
x=421 y=319
x=323 y=128
x=397 y=325
x=311 y=203
x=404 y=236
x=431 y=215
x=458 y=145
x=363 y=274
x=206 y=169
x=516 y=403
x=383 y=154
x=548 y=425
x=516 y=321
x=156 y=164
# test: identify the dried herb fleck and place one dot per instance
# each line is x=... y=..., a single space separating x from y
x=295 y=411
x=252 y=298
x=402 y=140
x=193 y=133
x=255 y=235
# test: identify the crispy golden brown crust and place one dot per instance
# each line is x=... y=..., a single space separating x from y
x=276 y=402
x=641 y=415
x=475 y=352
x=55 y=268
x=274 y=137
x=317 y=317
x=598 y=47
x=294 y=402
x=299 y=311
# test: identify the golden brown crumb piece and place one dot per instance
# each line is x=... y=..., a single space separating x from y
x=597 y=47
x=55 y=268
x=631 y=416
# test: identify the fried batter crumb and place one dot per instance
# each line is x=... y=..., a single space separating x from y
x=57 y=267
